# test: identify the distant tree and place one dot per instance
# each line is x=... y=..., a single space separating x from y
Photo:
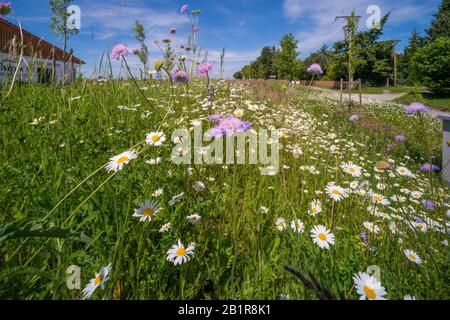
x=371 y=58
x=59 y=23
x=142 y=53
x=430 y=66
x=416 y=41
x=441 y=24
x=323 y=57
x=267 y=60
x=238 y=75
x=287 y=57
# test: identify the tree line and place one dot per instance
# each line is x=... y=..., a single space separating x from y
x=425 y=60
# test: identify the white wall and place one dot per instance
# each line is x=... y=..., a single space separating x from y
x=8 y=61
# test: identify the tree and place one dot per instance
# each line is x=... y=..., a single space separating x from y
x=430 y=66
x=59 y=23
x=323 y=57
x=441 y=24
x=142 y=53
x=286 y=58
x=266 y=61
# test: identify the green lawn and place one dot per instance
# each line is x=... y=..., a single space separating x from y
x=381 y=90
x=438 y=102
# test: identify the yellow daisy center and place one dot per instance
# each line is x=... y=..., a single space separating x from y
x=98 y=279
x=122 y=159
x=314 y=210
x=181 y=252
x=377 y=198
x=352 y=170
x=336 y=192
x=412 y=257
x=322 y=236
x=156 y=138
x=148 y=212
x=370 y=293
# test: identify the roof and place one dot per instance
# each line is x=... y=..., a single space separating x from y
x=34 y=46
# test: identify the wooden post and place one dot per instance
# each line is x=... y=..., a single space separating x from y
x=342 y=89
x=360 y=92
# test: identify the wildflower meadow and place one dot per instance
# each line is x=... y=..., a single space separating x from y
x=174 y=184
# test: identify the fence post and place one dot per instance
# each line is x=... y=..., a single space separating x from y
x=360 y=92
x=342 y=89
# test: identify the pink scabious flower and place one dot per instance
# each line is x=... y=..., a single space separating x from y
x=416 y=107
x=119 y=51
x=400 y=138
x=5 y=9
x=180 y=77
x=429 y=167
x=205 y=68
x=315 y=68
x=229 y=126
x=354 y=118
x=184 y=9
x=214 y=117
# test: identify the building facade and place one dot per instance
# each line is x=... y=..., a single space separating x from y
x=41 y=62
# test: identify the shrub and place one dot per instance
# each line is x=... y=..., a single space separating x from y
x=430 y=66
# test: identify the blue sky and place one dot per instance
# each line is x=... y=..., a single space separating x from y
x=242 y=27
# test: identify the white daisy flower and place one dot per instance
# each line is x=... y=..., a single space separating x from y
x=176 y=199
x=297 y=225
x=398 y=198
x=368 y=287
x=199 y=186
x=354 y=184
x=412 y=256
x=393 y=227
x=322 y=237
x=154 y=162
x=416 y=194
x=264 y=210
x=409 y=297
x=158 y=193
x=165 y=227
x=352 y=169
x=155 y=139
x=116 y=163
x=371 y=227
x=99 y=281
x=147 y=210
x=178 y=254
x=403 y=171
x=239 y=113
x=194 y=218
x=316 y=208
x=281 y=224
x=335 y=192
x=379 y=199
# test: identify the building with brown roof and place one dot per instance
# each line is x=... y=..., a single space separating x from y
x=41 y=61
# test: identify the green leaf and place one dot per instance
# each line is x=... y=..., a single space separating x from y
x=33 y=229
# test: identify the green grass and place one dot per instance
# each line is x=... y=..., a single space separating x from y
x=51 y=142
x=434 y=101
x=381 y=90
